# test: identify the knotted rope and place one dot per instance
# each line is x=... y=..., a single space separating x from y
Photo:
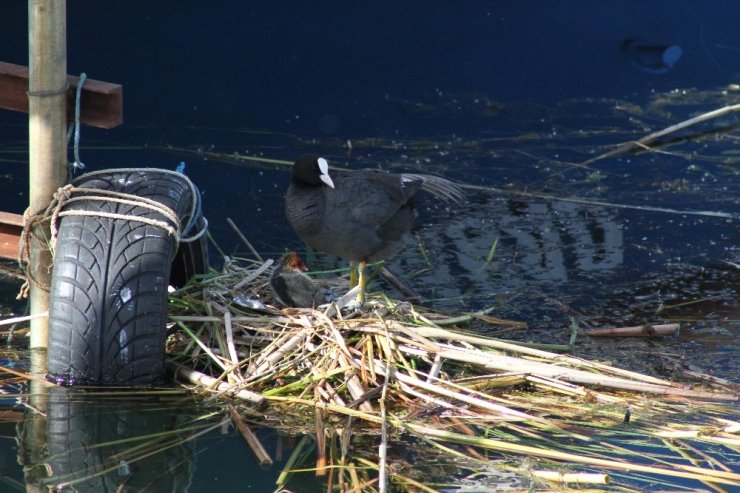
x=70 y=193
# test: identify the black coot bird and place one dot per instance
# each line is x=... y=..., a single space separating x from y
x=363 y=216
x=292 y=287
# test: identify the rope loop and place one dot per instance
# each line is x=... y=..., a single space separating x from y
x=50 y=93
x=70 y=193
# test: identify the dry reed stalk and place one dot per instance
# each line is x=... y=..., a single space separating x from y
x=711 y=379
x=212 y=327
x=426 y=398
x=303 y=383
x=415 y=484
x=194 y=318
x=320 y=435
x=511 y=364
x=254 y=443
x=243 y=238
x=406 y=290
x=334 y=332
x=367 y=372
x=269 y=359
x=637 y=331
x=320 y=393
x=729 y=426
x=322 y=372
x=459 y=425
x=578 y=477
x=643 y=142
x=503 y=412
x=27 y=376
x=570 y=389
x=254 y=274
x=333 y=395
x=727 y=441
x=670 y=434
x=538 y=423
x=363 y=486
x=27 y=318
x=230 y=344
x=414 y=337
x=181 y=373
x=203 y=347
x=516 y=348
x=345 y=435
x=383 y=447
x=469 y=317
x=354 y=385
x=383 y=450
x=676 y=470
x=492 y=381
x=435 y=369
x=233 y=374
x=329 y=406
x=681 y=445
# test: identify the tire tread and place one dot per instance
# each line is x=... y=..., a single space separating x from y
x=109 y=285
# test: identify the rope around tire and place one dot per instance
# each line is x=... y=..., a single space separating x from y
x=64 y=196
x=194 y=194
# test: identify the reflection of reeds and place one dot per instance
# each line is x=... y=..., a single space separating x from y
x=476 y=401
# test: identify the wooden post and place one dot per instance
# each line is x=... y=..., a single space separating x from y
x=47 y=99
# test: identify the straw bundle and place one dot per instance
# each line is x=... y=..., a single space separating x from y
x=392 y=374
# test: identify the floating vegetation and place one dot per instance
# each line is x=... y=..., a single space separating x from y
x=400 y=398
x=388 y=396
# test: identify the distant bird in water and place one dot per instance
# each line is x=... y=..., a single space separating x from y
x=653 y=59
x=292 y=287
x=362 y=216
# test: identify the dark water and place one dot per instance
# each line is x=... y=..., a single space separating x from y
x=507 y=97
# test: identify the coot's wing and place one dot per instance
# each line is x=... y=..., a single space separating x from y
x=439 y=187
x=373 y=197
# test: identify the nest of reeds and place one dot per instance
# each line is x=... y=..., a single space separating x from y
x=354 y=387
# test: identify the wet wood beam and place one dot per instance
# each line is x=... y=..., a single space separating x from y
x=11 y=226
x=101 y=105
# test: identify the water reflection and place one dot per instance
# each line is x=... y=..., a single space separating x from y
x=552 y=239
x=87 y=441
x=502 y=244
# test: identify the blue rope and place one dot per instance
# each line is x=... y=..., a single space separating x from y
x=198 y=204
x=77 y=164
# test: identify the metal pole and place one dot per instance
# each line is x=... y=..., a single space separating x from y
x=47 y=95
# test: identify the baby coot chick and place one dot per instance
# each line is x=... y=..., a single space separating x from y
x=292 y=287
x=362 y=216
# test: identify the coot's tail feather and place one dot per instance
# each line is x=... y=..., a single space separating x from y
x=439 y=187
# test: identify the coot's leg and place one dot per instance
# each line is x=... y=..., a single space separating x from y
x=362 y=281
x=352 y=274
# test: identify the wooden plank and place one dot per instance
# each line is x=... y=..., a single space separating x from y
x=101 y=105
x=11 y=226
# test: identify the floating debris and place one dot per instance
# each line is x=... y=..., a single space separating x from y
x=391 y=371
x=653 y=59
